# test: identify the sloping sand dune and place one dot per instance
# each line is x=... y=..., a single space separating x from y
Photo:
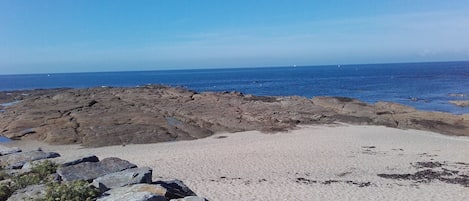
x=339 y=162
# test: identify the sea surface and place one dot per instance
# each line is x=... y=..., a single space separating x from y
x=426 y=86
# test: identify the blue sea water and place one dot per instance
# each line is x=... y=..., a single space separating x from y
x=426 y=86
x=4 y=139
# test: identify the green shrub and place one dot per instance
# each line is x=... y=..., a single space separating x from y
x=44 y=169
x=22 y=181
x=5 y=192
x=3 y=175
x=38 y=174
x=73 y=191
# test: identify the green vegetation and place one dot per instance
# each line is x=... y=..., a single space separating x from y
x=44 y=169
x=5 y=191
x=40 y=174
x=72 y=191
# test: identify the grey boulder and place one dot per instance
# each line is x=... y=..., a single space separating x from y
x=75 y=160
x=190 y=198
x=176 y=189
x=134 y=196
x=123 y=178
x=29 y=193
x=62 y=161
x=17 y=160
x=91 y=170
x=136 y=192
x=8 y=150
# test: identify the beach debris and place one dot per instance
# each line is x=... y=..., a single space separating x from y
x=434 y=171
x=429 y=164
x=303 y=180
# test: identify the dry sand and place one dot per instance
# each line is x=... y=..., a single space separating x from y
x=311 y=163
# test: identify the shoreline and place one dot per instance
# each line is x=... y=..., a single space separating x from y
x=309 y=163
x=11 y=97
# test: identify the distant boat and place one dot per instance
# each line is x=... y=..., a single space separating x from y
x=294 y=65
x=338 y=66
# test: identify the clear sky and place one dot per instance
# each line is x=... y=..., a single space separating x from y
x=46 y=36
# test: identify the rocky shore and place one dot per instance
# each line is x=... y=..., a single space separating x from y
x=117 y=116
x=108 y=179
x=460 y=103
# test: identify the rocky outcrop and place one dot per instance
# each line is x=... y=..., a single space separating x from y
x=116 y=179
x=394 y=115
x=461 y=103
x=149 y=114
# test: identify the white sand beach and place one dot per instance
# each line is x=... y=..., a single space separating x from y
x=335 y=162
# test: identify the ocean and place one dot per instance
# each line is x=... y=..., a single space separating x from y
x=425 y=86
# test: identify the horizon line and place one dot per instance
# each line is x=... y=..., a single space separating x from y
x=240 y=67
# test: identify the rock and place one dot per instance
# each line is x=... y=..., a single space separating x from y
x=123 y=178
x=176 y=189
x=392 y=108
x=61 y=161
x=462 y=103
x=147 y=191
x=134 y=196
x=91 y=170
x=190 y=198
x=17 y=160
x=29 y=193
x=150 y=114
x=75 y=160
x=8 y=150
x=14 y=172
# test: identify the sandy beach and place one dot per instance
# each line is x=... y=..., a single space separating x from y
x=328 y=162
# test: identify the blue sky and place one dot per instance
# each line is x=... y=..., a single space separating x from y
x=49 y=36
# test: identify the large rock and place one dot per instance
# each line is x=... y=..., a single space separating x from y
x=17 y=160
x=8 y=150
x=190 y=198
x=123 y=178
x=62 y=161
x=460 y=103
x=91 y=170
x=176 y=189
x=134 y=196
x=29 y=193
x=137 y=191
